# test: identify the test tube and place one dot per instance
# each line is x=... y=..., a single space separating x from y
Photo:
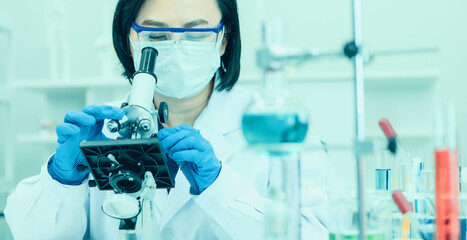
x=423 y=200
x=415 y=165
x=462 y=171
x=402 y=176
x=418 y=164
x=383 y=175
x=447 y=170
x=428 y=180
x=463 y=195
x=463 y=215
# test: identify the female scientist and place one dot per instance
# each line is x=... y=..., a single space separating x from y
x=220 y=192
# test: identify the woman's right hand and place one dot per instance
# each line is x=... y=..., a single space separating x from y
x=77 y=127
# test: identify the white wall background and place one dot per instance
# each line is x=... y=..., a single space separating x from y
x=44 y=84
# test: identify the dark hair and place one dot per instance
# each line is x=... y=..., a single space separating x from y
x=126 y=12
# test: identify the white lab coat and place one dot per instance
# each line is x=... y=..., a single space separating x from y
x=231 y=208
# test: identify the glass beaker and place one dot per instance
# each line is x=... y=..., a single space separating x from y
x=343 y=208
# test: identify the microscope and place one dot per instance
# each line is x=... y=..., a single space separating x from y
x=134 y=165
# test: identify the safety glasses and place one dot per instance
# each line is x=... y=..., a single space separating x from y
x=201 y=35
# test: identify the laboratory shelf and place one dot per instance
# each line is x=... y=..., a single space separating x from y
x=373 y=80
x=4 y=96
x=38 y=138
x=72 y=85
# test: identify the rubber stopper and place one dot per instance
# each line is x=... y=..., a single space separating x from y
x=392 y=145
x=401 y=202
x=386 y=126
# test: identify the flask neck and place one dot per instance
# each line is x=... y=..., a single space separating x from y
x=274 y=88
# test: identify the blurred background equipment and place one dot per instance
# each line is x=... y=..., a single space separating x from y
x=402 y=88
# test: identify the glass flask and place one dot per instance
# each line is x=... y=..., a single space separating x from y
x=273 y=125
x=271 y=121
x=274 y=120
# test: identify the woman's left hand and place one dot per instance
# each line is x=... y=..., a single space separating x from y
x=193 y=154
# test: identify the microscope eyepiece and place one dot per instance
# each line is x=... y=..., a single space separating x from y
x=148 y=61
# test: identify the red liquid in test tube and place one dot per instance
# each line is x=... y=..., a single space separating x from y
x=447 y=175
x=447 y=190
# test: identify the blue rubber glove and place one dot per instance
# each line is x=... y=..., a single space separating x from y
x=193 y=153
x=77 y=127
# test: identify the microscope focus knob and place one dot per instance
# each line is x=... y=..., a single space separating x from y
x=113 y=126
x=144 y=125
x=163 y=112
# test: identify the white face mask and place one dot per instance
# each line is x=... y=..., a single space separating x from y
x=183 y=68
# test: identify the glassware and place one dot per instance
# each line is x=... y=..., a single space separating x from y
x=282 y=216
x=383 y=171
x=402 y=172
x=343 y=208
x=447 y=170
x=428 y=180
x=275 y=126
x=274 y=119
x=462 y=171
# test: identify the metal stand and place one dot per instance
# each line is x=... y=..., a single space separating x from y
x=359 y=112
x=127 y=229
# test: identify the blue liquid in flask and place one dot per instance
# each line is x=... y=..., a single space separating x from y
x=274 y=128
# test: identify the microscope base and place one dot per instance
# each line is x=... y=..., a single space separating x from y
x=145 y=222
